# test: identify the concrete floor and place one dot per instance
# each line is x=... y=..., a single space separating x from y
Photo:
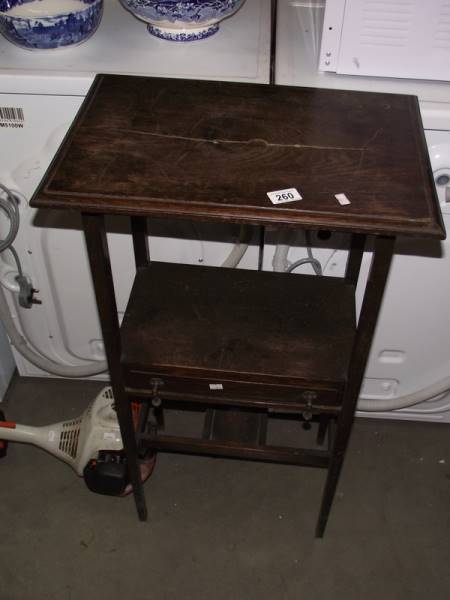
x=226 y=530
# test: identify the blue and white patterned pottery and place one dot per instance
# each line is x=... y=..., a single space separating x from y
x=182 y=20
x=49 y=24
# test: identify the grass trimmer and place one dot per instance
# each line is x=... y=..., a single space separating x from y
x=91 y=444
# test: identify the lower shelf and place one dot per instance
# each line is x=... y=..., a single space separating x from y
x=238 y=337
x=235 y=325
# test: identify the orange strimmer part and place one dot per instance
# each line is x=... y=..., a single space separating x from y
x=6 y=424
x=147 y=465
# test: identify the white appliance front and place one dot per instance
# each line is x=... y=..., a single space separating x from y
x=410 y=355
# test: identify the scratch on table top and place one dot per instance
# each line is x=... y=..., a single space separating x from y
x=217 y=141
x=372 y=138
x=365 y=147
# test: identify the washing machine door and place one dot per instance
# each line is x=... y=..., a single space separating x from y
x=439 y=150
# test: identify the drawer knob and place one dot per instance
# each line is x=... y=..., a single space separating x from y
x=309 y=396
x=156 y=384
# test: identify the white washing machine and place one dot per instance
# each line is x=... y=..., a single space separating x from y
x=410 y=354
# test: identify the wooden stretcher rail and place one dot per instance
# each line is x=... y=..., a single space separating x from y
x=278 y=454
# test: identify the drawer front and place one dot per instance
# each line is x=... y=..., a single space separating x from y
x=242 y=393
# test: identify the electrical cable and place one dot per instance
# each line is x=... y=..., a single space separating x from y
x=17 y=259
x=239 y=249
x=429 y=411
x=10 y=205
x=316 y=265
x=305 y=261
x=22 y=346
x=281 y=264
x=381 y=405
x=280 y=258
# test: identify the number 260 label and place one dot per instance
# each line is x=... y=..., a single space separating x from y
x=282 y=196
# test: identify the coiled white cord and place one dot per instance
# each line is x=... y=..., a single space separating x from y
x=10 y=205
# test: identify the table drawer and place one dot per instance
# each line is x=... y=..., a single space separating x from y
x=241 y=393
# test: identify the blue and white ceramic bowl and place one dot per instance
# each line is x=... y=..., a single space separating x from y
x=49 y=24
x=182 y=20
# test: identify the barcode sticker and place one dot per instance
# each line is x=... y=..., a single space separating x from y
x=215 y=386
x=282 y=196
x=342 y=199
x=11 y=116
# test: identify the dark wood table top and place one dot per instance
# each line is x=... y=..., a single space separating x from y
x=212 y=150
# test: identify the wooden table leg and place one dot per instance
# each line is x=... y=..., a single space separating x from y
x=373 y=296
x=322 y=429
x=140 y=241
x=98 y=253
x=355 y=255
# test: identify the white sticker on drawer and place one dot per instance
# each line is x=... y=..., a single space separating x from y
x=215 y=386
x=342 y=199
x=282 y=196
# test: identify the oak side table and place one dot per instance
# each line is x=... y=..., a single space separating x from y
x=239 y=345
